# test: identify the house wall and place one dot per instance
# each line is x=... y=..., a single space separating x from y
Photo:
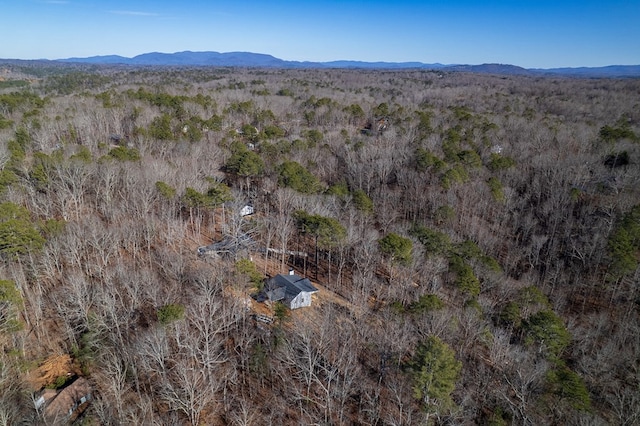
x=303 y=299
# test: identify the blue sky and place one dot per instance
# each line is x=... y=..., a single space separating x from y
x=532 y=34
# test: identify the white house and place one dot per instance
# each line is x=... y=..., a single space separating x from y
x=294 y=291
x=247 y=210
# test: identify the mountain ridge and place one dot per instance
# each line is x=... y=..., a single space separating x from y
x=250 y=59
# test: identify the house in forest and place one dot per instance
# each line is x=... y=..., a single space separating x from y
x=67 y=404
x=376 y=126
x=229 y=246
x=247 y=210
x=294 y=291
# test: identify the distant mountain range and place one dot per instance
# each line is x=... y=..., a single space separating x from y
x=248 y=59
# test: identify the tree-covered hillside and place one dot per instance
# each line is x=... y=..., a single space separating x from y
x=475 y=241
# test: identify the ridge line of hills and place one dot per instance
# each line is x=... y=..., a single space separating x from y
x=249 y=59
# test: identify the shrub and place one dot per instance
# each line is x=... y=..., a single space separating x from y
x=469 y=250
x=167 y=191
x=293 y=175
x=191 y=131
x=327 y=230
x=622 y=252
x=281 y=312
x=570 y=386
x=362 y=201
x=314 y=137
x=51 y=227
x=511 y=315
x=496 y=189
x=216 y=194
x=396 y=247
x=500 y=162
x=244 y=162
x=122 y=153
x=7 y=178
x=170 y=313
x=499 y=417
x=248 y=268
x=5 y=123
x=547 y=329
x=469 y=158
x=444 y=214
x=18 y=235
x=426 y=303
x=10 y=303
x=83 y=155
x=435 y=371
x=532 y=296
x=613 y=134
x=87 y=347
x=454 y=175
x=434 y=242
x=339 y=189
x=465 y=280
x=623 y=244
x=59 y=382
x=160 y=128
x=285 y=92
x=425 y=160
x=273 y=132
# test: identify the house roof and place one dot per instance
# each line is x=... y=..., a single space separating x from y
x=64 y=404
x=228 y=245
x=274 y=291
x=291 y=284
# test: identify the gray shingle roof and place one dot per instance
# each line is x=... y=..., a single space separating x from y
x=228 y=245
x=291 y=284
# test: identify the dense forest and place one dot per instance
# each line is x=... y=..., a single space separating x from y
x=474 y=238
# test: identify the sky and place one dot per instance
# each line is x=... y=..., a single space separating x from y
x=531 y=34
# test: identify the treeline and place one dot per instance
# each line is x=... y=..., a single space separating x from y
x=477 y=239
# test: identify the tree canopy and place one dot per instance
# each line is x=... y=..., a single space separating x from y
x=398 y=248
x=327 y=230
x=435 y=371
x=18 y=235
x=294 y=176
x=244 y=162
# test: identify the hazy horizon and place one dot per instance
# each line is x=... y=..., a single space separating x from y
x=530 y=34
